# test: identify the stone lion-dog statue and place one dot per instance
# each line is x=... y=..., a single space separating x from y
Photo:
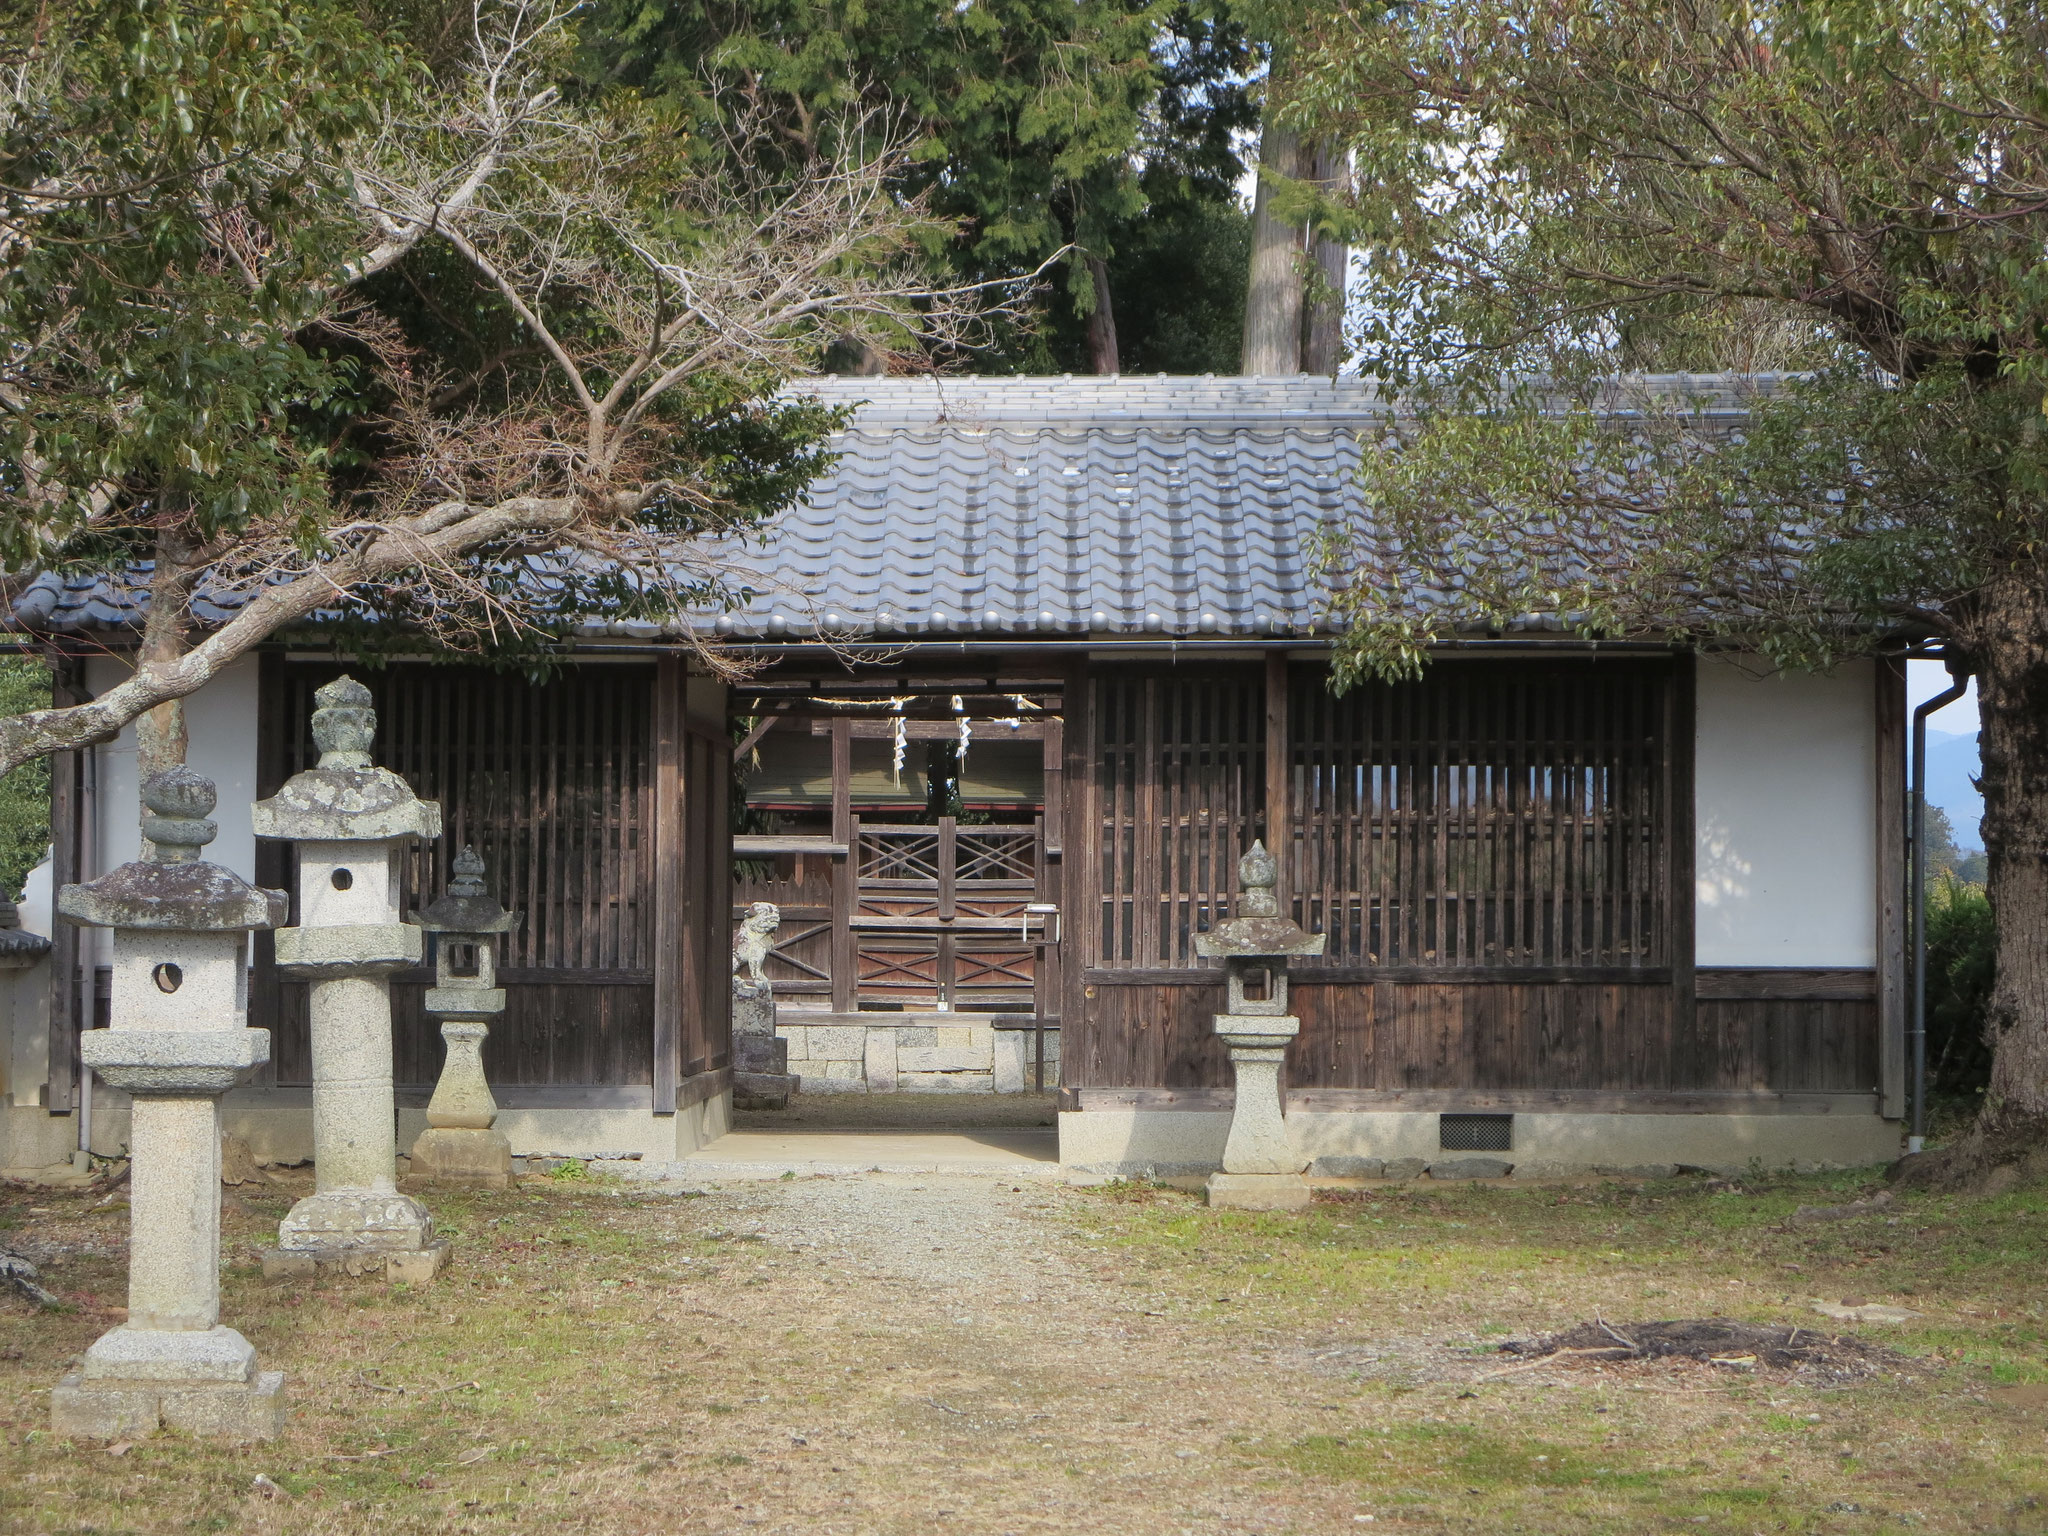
x=755 y=937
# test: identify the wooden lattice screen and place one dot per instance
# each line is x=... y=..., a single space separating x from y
x=1180 y=791
x=1512 y=815
x=551 y=783
x=556 y=784
x=1505 y=814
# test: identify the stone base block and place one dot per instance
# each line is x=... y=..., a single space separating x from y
x=111 y=1410
x=1258 y=1191
x=481 y=1159
x=762 y=1090
x=414 y=1266
x=136 y=1356
x=350 y=1219
x=760 y=1053
x=1345 y=1166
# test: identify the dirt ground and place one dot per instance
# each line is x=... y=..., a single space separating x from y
x=899 y=1354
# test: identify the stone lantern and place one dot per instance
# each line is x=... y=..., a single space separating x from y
x=459 y=1145
x=19 y=949
x=1261 y=1169
x=177 y=1043
x=352 y=823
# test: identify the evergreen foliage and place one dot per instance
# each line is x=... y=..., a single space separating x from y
x=1107 y=126
x=335 y=313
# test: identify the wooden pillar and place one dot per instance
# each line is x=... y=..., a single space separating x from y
x=1080 y=837
x=947 y=961
x=1053 y=825
x=669 y=857
x=845 y=872
x=1892 y=891
x=1681 y=740
x=60 y=1094
x=1279 y=778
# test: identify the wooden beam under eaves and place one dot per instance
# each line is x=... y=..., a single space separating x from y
x=936 y=730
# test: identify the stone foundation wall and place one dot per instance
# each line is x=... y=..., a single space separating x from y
x=921 y=1053
x=1180 y=1143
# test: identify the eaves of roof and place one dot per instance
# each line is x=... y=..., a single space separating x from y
x=1056 y=508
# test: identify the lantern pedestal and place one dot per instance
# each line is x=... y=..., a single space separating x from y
x=352 y=822
x=458 y=1145
x=176 y=1042
x=1261 y=1166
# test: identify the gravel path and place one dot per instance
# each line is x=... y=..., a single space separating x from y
x=946 y=1234
x=1004 y=1372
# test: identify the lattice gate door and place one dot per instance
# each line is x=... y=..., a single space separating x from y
x=941 y=913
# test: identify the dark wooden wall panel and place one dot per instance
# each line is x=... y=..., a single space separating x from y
x=1790 y=1045
x=1485 y=1037
x=553 y=783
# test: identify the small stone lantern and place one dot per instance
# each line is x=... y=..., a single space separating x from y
x=19 y=949
x=352 y=823
x=1261 y=1168
x=177 y=1043
x=459 y=1145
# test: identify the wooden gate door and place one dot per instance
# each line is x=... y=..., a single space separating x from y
x=943 y=915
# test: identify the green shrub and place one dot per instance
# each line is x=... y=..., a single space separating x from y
x=1961 y=954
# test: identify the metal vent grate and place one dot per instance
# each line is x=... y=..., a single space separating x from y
x=1475 y=1133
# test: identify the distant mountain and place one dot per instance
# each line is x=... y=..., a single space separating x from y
x=1951 y=764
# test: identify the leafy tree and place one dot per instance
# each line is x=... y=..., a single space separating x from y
x=24 y=793
x=321 y=317
x=1567 y=186
x=1944 y=858
x=1177 y=267
x=1100 y=128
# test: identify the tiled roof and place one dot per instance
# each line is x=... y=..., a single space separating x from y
x=1041 y=506
x=1064 y=506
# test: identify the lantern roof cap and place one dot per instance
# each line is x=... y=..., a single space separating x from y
x=345 y=799
x=173 y=888
x=1258 y=929
x=469 y=906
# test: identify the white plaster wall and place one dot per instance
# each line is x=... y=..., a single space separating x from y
x=221 y=721
x=1786 y=800
x=27 y=1006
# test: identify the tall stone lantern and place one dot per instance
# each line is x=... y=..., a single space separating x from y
x=352 y=822
x=459 y=1145
x=177 y=1042
x=1261 y=1169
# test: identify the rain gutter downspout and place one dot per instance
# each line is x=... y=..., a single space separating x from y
x=1959 y=682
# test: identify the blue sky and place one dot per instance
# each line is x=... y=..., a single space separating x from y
x=1951 y=750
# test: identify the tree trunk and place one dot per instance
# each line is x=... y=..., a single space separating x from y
x=161 y=739
x=1101 y=322
x=1322 y=340
x=2010 y=1137
x=1272 y=301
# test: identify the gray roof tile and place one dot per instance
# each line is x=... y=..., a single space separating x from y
x=1055 y=506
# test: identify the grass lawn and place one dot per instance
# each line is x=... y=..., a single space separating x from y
x=878 y=1355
